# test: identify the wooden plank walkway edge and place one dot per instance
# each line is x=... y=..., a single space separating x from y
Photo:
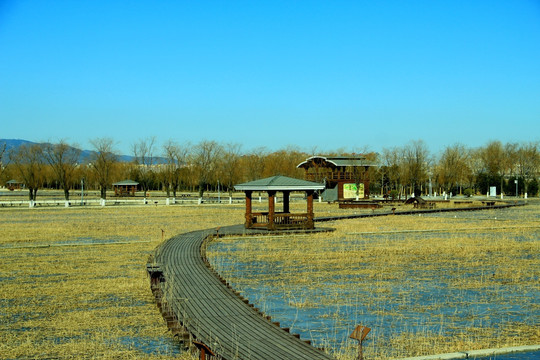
x=201 y=308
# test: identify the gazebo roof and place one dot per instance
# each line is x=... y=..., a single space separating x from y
x=126 y=183
x=279 y=183
x=336 y=161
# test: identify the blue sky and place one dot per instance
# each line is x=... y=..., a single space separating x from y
x=312 y=74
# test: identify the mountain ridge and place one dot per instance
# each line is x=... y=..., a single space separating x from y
x=13 y=144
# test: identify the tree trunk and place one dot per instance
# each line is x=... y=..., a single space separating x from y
x=201 y=190
x=103 y=193
x=66 y=194
x=33 y=194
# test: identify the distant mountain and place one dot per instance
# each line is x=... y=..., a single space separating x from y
x=13 y=144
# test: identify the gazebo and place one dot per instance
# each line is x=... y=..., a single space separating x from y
x=125 y=188
x=271 y=219
x=14 y=185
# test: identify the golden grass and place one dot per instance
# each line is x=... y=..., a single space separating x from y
x=471 y=283
x=88 y=301
x=64 y=297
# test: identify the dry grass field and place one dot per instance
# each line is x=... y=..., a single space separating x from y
x=73 y=281
x=425 y=284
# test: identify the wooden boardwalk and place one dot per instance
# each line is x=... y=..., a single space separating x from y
x=212 y=312
x=194 y=298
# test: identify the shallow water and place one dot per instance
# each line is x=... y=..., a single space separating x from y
x=531 y=355
x=432 y=302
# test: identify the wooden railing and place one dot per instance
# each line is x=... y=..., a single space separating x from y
x=284 y=220
x=290 y=219
x=334 y=176
x=259 y=219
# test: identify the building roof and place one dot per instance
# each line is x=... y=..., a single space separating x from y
x=337 y=161
x=126 y=183
x=279 y=183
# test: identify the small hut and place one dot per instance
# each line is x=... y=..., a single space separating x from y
x=272 y=219
x=14 y=185
x=125 y=188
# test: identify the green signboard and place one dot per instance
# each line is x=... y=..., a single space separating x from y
x=349 y=191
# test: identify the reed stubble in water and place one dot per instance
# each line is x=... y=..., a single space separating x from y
x=424 y=283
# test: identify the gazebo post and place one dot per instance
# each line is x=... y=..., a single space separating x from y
x=310 y=224
x=249 y=215
x=271 y=209
x=286 y=201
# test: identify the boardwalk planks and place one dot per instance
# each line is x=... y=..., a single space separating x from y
x=213 y=313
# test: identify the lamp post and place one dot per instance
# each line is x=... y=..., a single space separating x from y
x=516 y=182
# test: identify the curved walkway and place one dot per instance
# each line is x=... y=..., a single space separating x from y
x=213 y=313
x=198 y=300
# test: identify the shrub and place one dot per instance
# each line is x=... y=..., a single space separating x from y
x=468 y=192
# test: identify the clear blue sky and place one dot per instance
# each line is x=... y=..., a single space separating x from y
x=325 y=74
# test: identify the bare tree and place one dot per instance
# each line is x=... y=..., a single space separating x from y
x=283 y=162
x=255 y=163
x=3 y=161
x=509 y=160
x=229 y=165
x=391 y=169
x=491 y=156
x=29 y=162
x=528 y=162
x=453 y=167
x=493 y=164
x=176 y=156
x=103 y=162
x=205 y=159
x=416 y=161
x=63 y=160
x=143 y=152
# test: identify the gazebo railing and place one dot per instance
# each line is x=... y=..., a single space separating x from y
x=290 y=219
x=259 y=219
x=280 y=219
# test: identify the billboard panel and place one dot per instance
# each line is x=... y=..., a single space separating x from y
x=349 y=191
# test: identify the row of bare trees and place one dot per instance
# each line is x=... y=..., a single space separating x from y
x=171 y=167
x=209 y=165
x=412 y=169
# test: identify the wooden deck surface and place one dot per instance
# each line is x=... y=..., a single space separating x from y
x=213 y=313
x=216 y=316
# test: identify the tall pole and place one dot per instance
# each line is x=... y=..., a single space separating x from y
x=82 y=191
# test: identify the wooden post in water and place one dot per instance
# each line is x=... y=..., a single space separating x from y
x=360 y=333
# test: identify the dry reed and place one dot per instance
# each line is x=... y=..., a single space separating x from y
x=73 y=281
x=425 y=284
